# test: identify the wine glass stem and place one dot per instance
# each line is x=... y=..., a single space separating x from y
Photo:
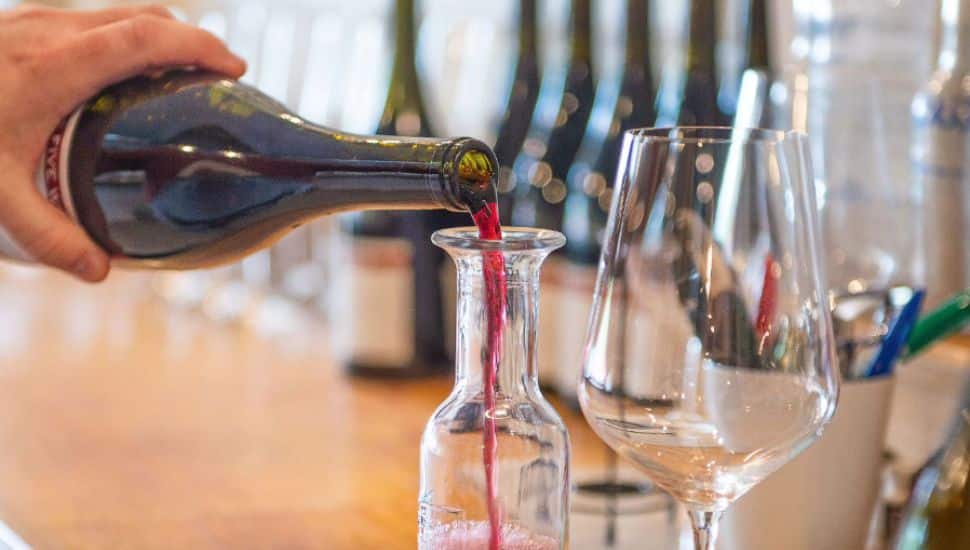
x=704 y=524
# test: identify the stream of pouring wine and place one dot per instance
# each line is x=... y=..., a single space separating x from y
x=489 y=228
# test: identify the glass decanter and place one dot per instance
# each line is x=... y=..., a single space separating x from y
x=523 y=503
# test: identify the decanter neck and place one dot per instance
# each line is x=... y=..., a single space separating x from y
x=516 y=376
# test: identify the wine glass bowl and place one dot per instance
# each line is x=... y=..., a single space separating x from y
x=709 y=357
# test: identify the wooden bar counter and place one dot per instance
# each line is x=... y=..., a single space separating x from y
x=127 y=423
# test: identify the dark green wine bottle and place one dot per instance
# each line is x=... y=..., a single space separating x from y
x=591 y=176
x=689 y=97
x=938 y=515
x=627 y=104
x=189 y=169
x=757 y=54
x=540 y=168
x=555 y=133
x=757 y=48
x=395 y=266
x=521 y=104
x=404 y=111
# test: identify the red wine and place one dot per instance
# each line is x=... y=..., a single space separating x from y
x=481 y=197
x=473 y=535
x=190 y=169
x=768 y=303
x=489 y=228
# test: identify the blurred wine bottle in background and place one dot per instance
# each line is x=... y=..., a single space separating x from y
x=757 y=40
x=941 y=157
x=760 y=109
x=541 y=166
x=390 y=293
x=548 y=151
x=523 y=95
x=688 y=97
x=938 y=515
x=757 y=53
x=404 y=111
x=728 y=74
x=620 y=106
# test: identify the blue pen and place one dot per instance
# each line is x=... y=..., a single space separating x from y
x=895 y=341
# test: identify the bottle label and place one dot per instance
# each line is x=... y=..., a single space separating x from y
x=575 y=301
x=941 y=165
x=548 y=341
x=51 y=181
x=374 y=326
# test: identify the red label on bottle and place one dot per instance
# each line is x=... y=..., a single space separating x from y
x=52 y=166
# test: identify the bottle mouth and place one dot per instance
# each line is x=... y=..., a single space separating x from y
x=472 y=169
x=514 y=239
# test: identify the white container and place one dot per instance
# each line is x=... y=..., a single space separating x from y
x=638 y=517
x=825 y=498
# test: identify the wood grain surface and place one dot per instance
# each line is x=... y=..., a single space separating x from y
x=126 y=423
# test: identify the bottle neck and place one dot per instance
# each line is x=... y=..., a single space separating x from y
x=404 y=113
x=954 y=475
x=702 y=38
x=955 y=36
x=637 y=29
x=758 y=47
x=581 y=29
x=517 y=376
x=376 y=173
x=527 y=28
x=404 y=38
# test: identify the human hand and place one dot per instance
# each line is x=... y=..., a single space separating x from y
x=51 y=61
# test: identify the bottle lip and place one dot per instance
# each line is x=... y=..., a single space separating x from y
x=452 y=195
x=514 y=239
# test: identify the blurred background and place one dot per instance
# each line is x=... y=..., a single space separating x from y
x=845 y=71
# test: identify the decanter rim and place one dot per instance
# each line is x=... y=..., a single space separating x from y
x=514 y=239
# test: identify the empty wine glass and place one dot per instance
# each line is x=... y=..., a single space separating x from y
x=709 y=357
